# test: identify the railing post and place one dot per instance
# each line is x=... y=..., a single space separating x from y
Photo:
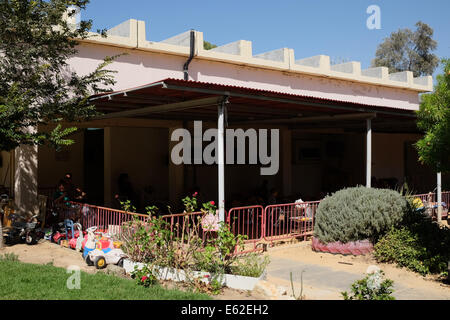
x=439 y=198
x=263 y=223
x=98 y=218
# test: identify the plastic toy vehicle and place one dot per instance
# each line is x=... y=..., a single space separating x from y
x=89 y=244
x=101 y=258
x=77 y=236
x=100 y=251
x=22 y=229
x=67 y=232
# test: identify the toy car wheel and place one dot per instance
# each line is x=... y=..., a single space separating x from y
x=120 y=263
x=100 y=262
x=31 y=238
x=88 y=261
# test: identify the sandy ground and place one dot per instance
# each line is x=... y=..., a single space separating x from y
x=46 y=252
x=300 y=257
x=325 y=276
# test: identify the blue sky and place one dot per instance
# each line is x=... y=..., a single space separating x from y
x=332 y=27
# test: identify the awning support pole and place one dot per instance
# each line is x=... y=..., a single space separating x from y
x=369 y=153
x=221 y=158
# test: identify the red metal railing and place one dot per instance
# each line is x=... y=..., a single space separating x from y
x=287 y=221
x=430 y=200
x=256 y=223
x=426 y=197
x=249 y=222
x=446 y=198
x=105 y=219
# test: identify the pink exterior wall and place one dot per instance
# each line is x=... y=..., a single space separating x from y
x=139 y=67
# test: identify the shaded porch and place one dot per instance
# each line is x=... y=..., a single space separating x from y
x=318 y=138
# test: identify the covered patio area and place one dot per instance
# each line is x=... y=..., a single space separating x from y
x=321 y=146
x=324 y=145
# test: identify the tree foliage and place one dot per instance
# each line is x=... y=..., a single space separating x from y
x=433 y=118
x=37 y=87
x=406 y=50
x=208 y=46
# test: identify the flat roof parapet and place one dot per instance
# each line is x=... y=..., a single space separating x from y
x=348 y=67
x=131 y=34
x=320 y=61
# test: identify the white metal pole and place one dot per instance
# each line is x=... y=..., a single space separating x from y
x=439 y=198
x=221 y=162
x=369 y=153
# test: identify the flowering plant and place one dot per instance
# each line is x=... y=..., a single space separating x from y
x=144 y=276
x=190 y=203
x=210 y=220
x=372 y=287
x=210 y=207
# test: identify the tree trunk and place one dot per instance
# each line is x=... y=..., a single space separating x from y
x=1 y=233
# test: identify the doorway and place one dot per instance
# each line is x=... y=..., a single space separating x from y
x=94 y=165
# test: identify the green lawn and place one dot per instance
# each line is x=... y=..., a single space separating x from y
x=23 y=281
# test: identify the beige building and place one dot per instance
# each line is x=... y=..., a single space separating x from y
x=339 y=125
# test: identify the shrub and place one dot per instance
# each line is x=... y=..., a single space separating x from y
x=251 y=265
x=358 y=213
x=419 y=245
x=372 y=287
x=218 y=254
x=147 y=241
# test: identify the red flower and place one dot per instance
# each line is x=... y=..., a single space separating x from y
x=195 y=194
x=206 y=276
x=212 y=203
x=144 y=278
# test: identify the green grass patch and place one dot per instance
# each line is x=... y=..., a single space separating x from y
x=24 y=281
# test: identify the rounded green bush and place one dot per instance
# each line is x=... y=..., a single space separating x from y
x=358 y=213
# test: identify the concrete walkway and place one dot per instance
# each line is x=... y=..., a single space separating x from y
x=321 y=282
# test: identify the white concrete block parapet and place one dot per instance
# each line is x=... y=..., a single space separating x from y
x=426 y=81
x=405 y=76
x=131 y=34
x=352 y=67
x=239 y=48
x=126 y=29
x=279 y=55
x=279 y=59
x=182 y=39
x=320 y=62
x=378 y=72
